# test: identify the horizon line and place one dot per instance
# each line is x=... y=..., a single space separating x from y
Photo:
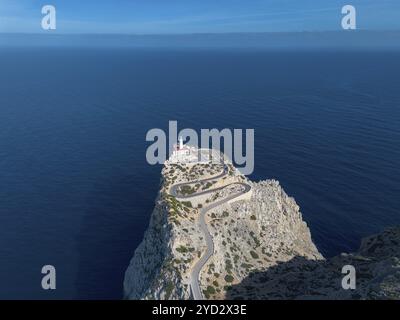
x=46 y=33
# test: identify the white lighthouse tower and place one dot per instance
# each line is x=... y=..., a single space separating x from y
x=181 y=153
x=180 y=143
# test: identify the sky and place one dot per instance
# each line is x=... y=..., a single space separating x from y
x=196 y=16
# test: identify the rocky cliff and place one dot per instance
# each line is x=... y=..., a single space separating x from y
x=376 y=265
x=262 y=248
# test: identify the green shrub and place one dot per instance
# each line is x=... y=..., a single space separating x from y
x=168 y=289
x=182 y=249
x=187 y=204
x=210 y=289
x=254 y=255
x=187 y=190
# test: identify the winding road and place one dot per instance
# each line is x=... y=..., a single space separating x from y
x=195 y=273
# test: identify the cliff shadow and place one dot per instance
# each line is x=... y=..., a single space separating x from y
x=117 y=215
x=298 y=278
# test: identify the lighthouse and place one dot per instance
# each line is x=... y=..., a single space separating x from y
x=183 y=153
x=180 y=143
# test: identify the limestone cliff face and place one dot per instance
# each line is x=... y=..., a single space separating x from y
x=262 y=247
x=149 y=258
x=248 y=234
x=150 y=274
x=255 y=235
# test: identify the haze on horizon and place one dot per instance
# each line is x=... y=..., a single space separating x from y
x=194 y=16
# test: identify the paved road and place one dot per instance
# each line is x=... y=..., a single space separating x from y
x=175 y=187
x=195 y=273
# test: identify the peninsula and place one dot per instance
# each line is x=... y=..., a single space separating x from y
x=214 y=234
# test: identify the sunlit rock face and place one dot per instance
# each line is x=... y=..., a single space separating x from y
x=262 y=247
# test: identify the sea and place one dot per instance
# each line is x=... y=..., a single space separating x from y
x=76 y=191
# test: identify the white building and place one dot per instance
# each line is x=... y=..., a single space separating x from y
x=189 y=154
x=181 y=152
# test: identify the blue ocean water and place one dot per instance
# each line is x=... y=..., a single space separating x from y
x=77 y=193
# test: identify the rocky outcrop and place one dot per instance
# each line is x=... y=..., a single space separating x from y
x=262 y=247
x=248 y=234
x=376 y=269
x=151 y=274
